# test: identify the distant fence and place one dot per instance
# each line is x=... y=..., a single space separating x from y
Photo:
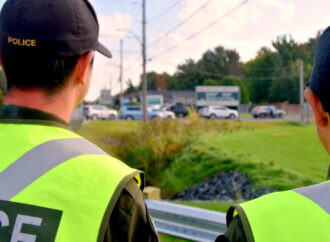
x=289 y=108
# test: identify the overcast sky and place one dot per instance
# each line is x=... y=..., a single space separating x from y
x=246 y=29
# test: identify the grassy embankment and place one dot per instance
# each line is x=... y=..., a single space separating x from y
x=177 y=155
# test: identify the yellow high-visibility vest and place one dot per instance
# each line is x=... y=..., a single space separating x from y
x=56 y=186
x=300 y=215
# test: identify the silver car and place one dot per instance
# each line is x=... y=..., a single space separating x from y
x=131 y=112
x=96 y=112
x=213 y=112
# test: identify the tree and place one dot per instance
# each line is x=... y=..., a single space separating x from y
x=158 y=82
x=211 y=82
x=188 y=76
x=235 y=81
x=130 y=87
x=259 y=74
x=214 y=64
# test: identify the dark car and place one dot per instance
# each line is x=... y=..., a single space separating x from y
x=180 y=110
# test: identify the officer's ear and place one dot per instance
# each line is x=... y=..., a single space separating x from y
x=321 y=116
x=83 y=67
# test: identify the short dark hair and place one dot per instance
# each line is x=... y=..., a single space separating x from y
x=48 y=73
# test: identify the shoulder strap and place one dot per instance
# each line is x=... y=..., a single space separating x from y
x=38 y=161
x=237 y=210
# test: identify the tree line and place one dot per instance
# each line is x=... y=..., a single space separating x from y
x=271 y=77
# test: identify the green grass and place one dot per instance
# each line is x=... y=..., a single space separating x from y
x=296 y=150
x=277 y=154
x=282 y=158
x=168 y=238
x=176 y=155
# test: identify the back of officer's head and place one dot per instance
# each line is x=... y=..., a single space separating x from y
x=320 y=78
x=42 y=40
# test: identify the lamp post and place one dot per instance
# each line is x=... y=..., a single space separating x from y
x=144 y=62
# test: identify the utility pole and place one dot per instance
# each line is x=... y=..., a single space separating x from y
x=121 y=72
x=144 y=57
x=301 y=84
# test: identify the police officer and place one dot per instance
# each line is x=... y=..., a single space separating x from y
x=55 y=185
x=302 y=214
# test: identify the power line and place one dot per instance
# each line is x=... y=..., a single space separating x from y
x=132 y=65
x=181 y=23
x=133 y=72
x=201 y=30
x=120 y=2
x=165 y=11
x=249 y=78
x=272 y=68
x=126 y=51
x=271 y=77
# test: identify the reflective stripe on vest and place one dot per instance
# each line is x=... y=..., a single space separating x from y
x=319 y=194
x=84 y=187
x=298 y=215
x=39 y=161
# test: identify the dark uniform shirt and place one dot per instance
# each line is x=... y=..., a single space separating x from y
x=129 y=220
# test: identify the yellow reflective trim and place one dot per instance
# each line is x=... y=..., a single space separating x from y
x=138 y=179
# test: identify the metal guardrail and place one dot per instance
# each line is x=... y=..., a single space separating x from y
x=187 y=222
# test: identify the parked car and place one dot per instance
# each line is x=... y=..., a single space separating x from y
x=96 y=112
x=214 y=112
x=180 y=110
x=163 y=113
x=267 y=112
x=131 y=112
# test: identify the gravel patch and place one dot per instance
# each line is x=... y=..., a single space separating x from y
x=228 y=186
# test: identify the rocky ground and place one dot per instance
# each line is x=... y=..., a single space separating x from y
x=229 y=186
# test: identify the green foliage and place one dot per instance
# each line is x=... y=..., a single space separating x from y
x=153 y=146
x=211 y=82
x=176 y=155
x=159 y=82
x=214 y=64
x=271 y=77
x=282 y=158
x=130 y=87
x=259 y=73
x=168 y=238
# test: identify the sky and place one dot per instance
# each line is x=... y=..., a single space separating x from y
x=181 y=29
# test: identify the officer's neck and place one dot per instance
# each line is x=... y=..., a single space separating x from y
x=60 y=104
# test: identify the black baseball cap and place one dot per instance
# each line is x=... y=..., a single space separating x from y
x=320 y=78
x=59 y=28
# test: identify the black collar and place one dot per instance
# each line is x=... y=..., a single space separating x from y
x=24 y=115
